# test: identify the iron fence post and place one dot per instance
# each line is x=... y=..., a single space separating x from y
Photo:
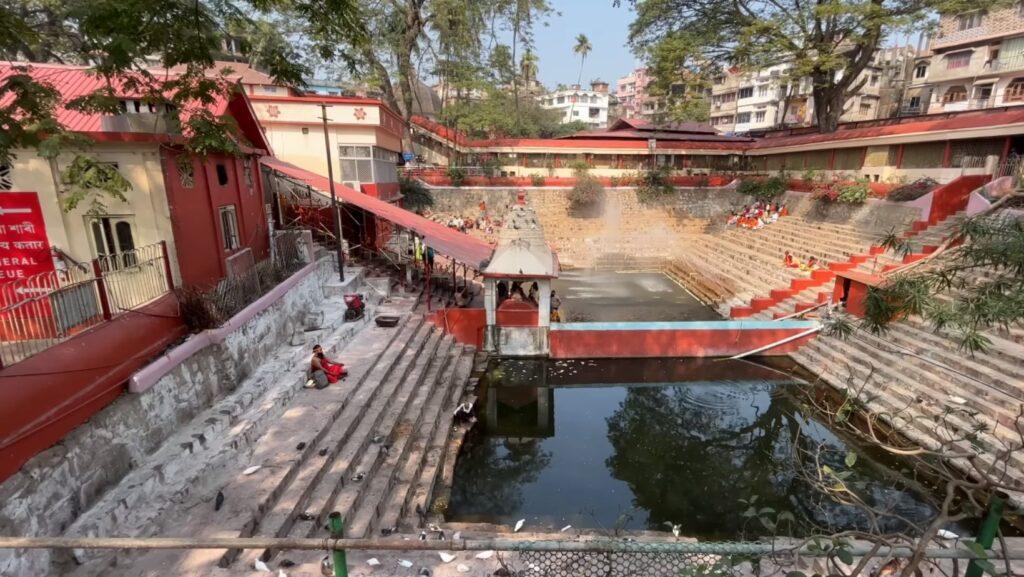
x=989 y=528
x=167 y=265
x=338 y=556
x=101 y=289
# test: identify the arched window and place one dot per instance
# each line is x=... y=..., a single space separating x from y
x=1014 y=91
x=955 y=94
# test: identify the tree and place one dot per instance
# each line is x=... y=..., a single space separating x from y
x=119 y=41
x=489 y=117
x=582 y=48
x=831 y=42
x=529 y=67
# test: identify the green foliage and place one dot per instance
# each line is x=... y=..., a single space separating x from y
x=763 y=190
x=537 y=180
x=457 y=175
x=89 y=179
x=415 y=195
x=986 y=273
x=490 y=117
x=850 y=192
x=490 y=166
x=654 y=184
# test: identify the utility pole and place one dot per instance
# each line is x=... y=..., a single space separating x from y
x=334 y=197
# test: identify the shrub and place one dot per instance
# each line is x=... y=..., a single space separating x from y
x=654 y=184
x=614 y=182
x=913 y=190
x=491 y=166
x=588 y=193
x=415 y=196
x=536 y=180
x=763 y=190
x=855 y=192
x=457 y=175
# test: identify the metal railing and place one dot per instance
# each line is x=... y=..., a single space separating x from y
x=44 y=310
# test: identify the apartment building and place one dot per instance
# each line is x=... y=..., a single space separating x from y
x=631 y=91
x=974 y=61
x=578 y=104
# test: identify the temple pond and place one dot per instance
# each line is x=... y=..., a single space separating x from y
x=636 y=443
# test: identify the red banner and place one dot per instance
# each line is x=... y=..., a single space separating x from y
x=24 y=247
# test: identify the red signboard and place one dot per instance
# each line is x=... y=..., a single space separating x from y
x=24 y=248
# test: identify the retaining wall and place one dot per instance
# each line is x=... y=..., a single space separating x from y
x=56 y=486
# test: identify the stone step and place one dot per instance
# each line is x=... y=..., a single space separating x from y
x=350 y=445
x=387 y=494
x=291 y=495
x=421 y=485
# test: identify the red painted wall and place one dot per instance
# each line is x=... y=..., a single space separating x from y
x=381 y=190
x=195 y=215
x=951 y=198
x=668 y=343
x=45 y=396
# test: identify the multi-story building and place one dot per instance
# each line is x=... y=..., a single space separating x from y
x=576 y=103
x=976 y=60
x=757 y=100
x=631 y=90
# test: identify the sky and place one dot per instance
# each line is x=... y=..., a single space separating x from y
x=605 y=26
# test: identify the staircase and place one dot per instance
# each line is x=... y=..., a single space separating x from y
x=371 y=447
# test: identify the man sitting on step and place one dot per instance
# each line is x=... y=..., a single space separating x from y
x=323 y=371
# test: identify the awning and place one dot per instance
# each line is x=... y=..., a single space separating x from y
x=451 y=243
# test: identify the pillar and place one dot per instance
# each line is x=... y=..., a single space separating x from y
x=490 y=313
x=544 y=303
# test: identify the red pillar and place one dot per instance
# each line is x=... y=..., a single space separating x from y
x=947 y=154
x=899 y=156
x=101 y=289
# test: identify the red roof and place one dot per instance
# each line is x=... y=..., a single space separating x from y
x=945 y=122
x=452 y=243
x=76 y=81
x=449 y=134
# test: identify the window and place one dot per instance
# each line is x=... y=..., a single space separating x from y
x=113 y=241
x=921 y=71
x=561 y=100
x=969 y=20
x=575 y=112
x=6 y=179
x=762 y=91
x=229 y=227
x=958 y=60
x=760 y=115
x=955 y=94
x=742 y=118
x=595 y=112
x=865 y=108
x=915 y=102
x=186 y=171
x=1014 y=91
x=746 y=92
x=874 y=80
x=222 y=174
x=269 y=88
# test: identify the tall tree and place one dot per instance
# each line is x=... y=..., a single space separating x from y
x=830 y=42
x=582 y=48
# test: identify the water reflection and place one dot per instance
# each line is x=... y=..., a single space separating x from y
x=642 y=442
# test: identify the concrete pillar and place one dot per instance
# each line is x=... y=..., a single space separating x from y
x=490 y=312
x=544 y=303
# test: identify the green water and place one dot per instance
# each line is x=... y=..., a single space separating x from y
x=637 y=443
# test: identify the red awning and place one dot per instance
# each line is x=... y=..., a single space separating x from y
x=451 y=243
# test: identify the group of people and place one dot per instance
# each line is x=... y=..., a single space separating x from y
x=789 y=261
x=517 y=293
x=757 y=215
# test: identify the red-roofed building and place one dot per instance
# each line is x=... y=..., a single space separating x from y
x=209 y=211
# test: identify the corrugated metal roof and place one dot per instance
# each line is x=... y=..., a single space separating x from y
x=449 y=242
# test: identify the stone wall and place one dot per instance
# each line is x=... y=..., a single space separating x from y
x=57 y=486
x=876 y=216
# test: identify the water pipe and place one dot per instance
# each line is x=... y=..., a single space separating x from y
x=989 y=528
x=337 y=527
x=769 y=346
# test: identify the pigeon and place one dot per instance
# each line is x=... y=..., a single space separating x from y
x=372 y=562
x=405 y=563
x=300 y=446
x=261 y=566
x=944 y=534
x=519 y=525
x=281 y=573
x=219 y=501
x=306 y=516
x=323 y=452
x=462 y=568
x=252 y=470
x=484 y=555
x=385 y=449
x=376 y=439
x=326 y=567
x=287 y=563
x=423 y=535
x=566 y=528
x=676 y=528
x=446 y=557
x=358 y=477
x=457 y=536
x=387 y=531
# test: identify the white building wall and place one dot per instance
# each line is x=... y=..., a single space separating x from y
x=587 y=106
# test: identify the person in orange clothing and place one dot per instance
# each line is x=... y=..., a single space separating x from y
x=789 y=261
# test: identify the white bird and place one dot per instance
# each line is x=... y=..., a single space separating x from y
x=519 y=525
x=457 y=536
x=281 y=573
x=958 y=400
x=252 y=470
x=462 y=568
x=405 y=563
x=372 y=562
x=566 y=528
x=677 y=529
x=261 y=566
x=445 y=556
x=326 y=567
x=484 y=554
x=944 y=534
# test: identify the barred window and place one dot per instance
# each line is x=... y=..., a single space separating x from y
x=1014 y=91
x=6 y=178
x=956 y=93
x=186 y=172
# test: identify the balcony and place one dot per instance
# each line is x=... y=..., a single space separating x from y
x=1008 y=64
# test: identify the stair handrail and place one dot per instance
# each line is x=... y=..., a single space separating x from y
x=803 y=312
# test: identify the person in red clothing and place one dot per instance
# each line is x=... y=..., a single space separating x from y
x=789 y=261
x=324 y=371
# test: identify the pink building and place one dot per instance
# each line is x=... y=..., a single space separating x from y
x=631 y=91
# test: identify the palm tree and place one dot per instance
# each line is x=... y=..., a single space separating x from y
x=528 y=67
x=583 y=47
